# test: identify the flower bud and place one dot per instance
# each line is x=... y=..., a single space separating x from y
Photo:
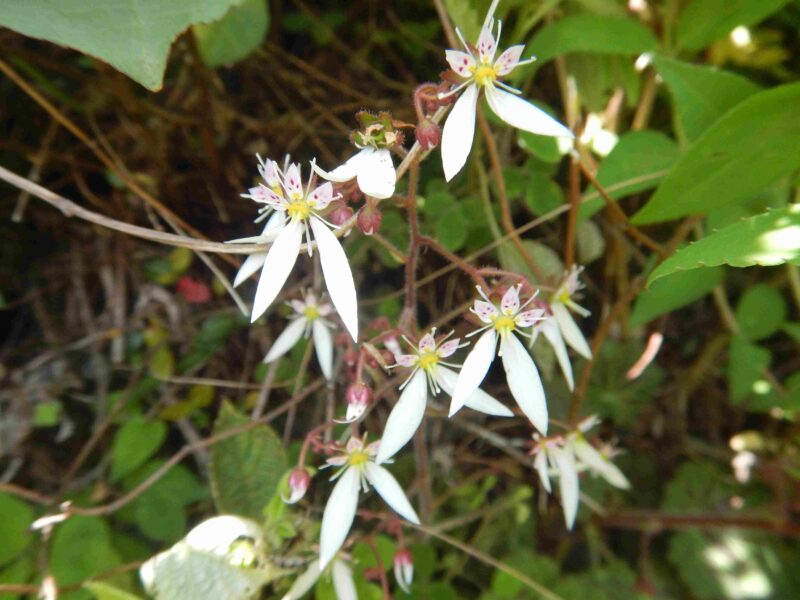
x=404 y=569
x=359 y=397
x=299 y=480
x=340 y=214
x=369 y=218
x=429 y=134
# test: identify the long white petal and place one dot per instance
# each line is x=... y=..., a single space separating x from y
x=540 y=464
x=458 y=132
x=479 y=400
x=338 y=277
x=474 y=370
x=287 y=339
x=523 y=115
x=524 y=382
x=405 y=417
x=570 y=330
x=588 y=455
x=255 y=261
x=277 y=266
x=304 y=582
x=376 y=174
x=346 y=171
x=323 y=344
x=343 y=581
x=386 y=485
x=250 y=265
x=550 y=330
x=338 y=516
x=567 y=483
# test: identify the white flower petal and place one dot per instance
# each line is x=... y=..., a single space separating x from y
x=277 y=266
x=304 y=582
x=479 y=400
x=346 y=171
x=405 y=417
x=250 y=265
x=523 y=381
x=567 y=483
x=376 y=175
x=570 y=330
x=338 y=277
x=458 y=132
x=474 y=370
x=338 y=516
x=343 y=581
x=540 y=464
x=588 y=455
x=323 y=344
x=287 y=339
x=386 y=485
x=523 y=115
x=508 y=60
x=550 y=330
x=461 y=62
x=255 y=261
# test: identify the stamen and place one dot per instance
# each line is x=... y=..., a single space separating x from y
x=463 y=43
x=507 y=87
x=454 y=91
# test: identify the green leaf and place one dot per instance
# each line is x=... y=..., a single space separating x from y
x=104 y=591
x=772 y=238
x=452 y=227
x=746 y=363
x=675 y=292
x=701 y=94
x=135 y=442
x=16 y=518
x=760 y=312
x=750 y=147
x=590 y=242
x=81 y=548
x=704 y=21
x=698 y=486
x=47 y=414
x=545 y=257
x=591 y=33
x=245 y=469
x=639 y=161
x=543 y=194
x=133 y=36
x=234 y=36
x=18 y=572
x=162 y=362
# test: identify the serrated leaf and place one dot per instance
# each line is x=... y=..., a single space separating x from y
x=235 y=35
x=771 y=238
x=591 y=33
x=751 y=146
x=760 y=312
x=133 y=36
x=16 y=519
x=703 y=21
x=135 y=442
x=679 y=290
x=246 y=469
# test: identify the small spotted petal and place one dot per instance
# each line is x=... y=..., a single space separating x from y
x=269 y=171
x=448 y=348
x=322 y=196
x=427 y=343
x=508 y=60
x=529 y=317
x=406 y=360
x=294 y=184
x=510 y=301
x=485 y=311
x=461 y=62
x=486 y=45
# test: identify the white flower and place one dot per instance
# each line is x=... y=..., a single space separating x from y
x=296 y=210
x=429 y=369
x=359 y=470
x=596 y=461
x=559 y=326
x=309 y=318
x=343 y=583
x=521 y=374
x=482 y=71
x=372 y=169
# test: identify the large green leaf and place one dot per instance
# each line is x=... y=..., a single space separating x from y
x=133 y=36
x=771 y=238
x=675 y=292
x=704 y=21
x=135 y=442
x=81 y=548
x=15 y=518
x=750 y=147
x=639 y=161
x=592 y=33
x=701 y=94
x=245 y=469
x=760 y=312
x=235 y=35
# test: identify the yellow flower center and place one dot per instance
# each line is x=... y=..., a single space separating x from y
x=428 y=360
x=485 y=74
x=504 y=324
x=299 y=210
x=277 y=190
x=358 y=458
x=563 y=296
x=311 y=312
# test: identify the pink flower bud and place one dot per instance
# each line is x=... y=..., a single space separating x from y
x=299 y=480
x=340 y=214
x=359 y=397
x=429 y=134
x=404 y=569
x=369 y=218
